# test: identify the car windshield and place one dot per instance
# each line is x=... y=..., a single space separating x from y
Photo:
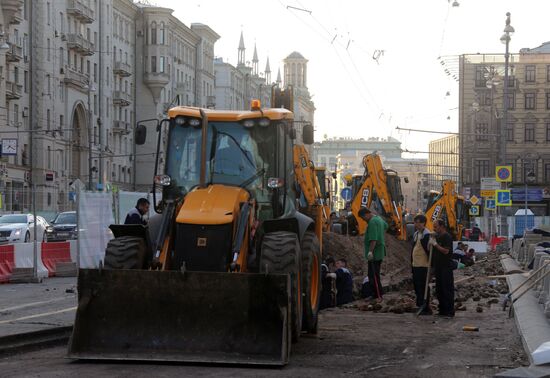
x=236 y=155
x=65 y=218
x=13 y=218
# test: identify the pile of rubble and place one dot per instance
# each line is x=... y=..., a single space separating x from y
x=476 y=290
x=395 y=270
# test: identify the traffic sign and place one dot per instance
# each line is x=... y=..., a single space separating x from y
x=490 y=204
x=503 y=198
x=346 y=194
x=504 y=173
x=488 y=193
x=489 y=183
x=474 y=211
x=474 y=200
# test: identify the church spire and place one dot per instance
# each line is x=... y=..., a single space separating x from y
x=242 y=49
x=255 y=61
x=267 y=72
x=279 y=81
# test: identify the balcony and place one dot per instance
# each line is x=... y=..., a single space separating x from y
x=121 y=127
x=81 y=11
x=156 y=81
x=14 y=53
x=121 y=98
x=80 y=44
x=76 y=79
x=13 y=90
x=122 y=69
x=12 y=10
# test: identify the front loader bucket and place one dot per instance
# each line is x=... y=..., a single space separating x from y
x=234 y=318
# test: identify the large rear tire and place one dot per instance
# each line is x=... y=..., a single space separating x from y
x=281 y=254
x=125 y=252
x=311 y=280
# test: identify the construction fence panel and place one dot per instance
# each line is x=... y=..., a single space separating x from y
x=95 y=214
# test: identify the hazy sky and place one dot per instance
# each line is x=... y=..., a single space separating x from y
x=354 y=95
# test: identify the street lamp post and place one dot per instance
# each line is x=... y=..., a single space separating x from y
x=508 y=31
x=91 y=88
x=530 y=178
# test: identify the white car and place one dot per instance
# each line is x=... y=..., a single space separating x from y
x=19 y=228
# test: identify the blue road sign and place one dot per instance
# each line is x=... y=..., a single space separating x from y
x=346 y=194
x=490 y=204
x=504 y=198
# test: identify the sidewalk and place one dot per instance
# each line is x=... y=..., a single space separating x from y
x=35 y=307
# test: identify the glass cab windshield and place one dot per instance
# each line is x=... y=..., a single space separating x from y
x=236 y=155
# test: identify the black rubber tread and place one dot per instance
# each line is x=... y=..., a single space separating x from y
x=125 y=252
x=280 y=253
x=310 y=248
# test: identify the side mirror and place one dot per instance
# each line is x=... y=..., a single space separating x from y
x=292 y=133
x=140 y=134
x=307 y=134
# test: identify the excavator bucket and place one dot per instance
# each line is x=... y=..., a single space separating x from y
x=202 y=317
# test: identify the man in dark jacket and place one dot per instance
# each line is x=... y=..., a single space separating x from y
x=443 y=268
x=419 y=260
x=344 y=283
x=135 y=216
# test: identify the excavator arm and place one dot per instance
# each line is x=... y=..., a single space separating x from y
x=444 y=206
x=381 y=185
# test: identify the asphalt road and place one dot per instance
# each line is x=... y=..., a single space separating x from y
x=32 y=307
x=350 y=342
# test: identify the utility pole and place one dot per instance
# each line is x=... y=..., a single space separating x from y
x=31 y=140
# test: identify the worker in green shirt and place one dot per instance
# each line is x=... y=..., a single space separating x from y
x=375 y=248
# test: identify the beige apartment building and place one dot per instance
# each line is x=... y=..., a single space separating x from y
x=77 y=75
x=527 y=137
x=443 y=161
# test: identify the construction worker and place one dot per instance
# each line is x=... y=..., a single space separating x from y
x=135 y=216
x=420 y=261
x=344 y=283
x=375 y=248
x=328 y=286
x=442 y=245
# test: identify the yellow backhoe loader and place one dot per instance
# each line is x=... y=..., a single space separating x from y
x=229 y=270
x=378 y=189
x=446 y=205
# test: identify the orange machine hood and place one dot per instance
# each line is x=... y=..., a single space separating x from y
x=216 y=204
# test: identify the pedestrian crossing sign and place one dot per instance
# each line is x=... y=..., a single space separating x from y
x=503 y=197
x=490 y=204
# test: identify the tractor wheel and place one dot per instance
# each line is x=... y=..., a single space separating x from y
x=281 y=254
x=125 y=252
x=311 y=280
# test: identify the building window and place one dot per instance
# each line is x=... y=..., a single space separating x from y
x=61 y=123
x=48 y=48
x=153 y=64
x=548 y=73
x=26 y=81
x=548 y=100
x=511 y=101
x=530 y=74
x=95 y=72
x=16 y=115
x=154 y=33
x=481 y=169
x=161 y=64
x=162 y=35
x=548 y=132
x=530 y=101
x=480 y=76
x=528 y=166
x=482 y=129
x=529 y=132
x=48 y=119
x=547 y=172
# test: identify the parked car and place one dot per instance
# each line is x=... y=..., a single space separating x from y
x=19 y=228
x=63 y=227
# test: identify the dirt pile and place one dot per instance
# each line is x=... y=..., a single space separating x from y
x=395 y=268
